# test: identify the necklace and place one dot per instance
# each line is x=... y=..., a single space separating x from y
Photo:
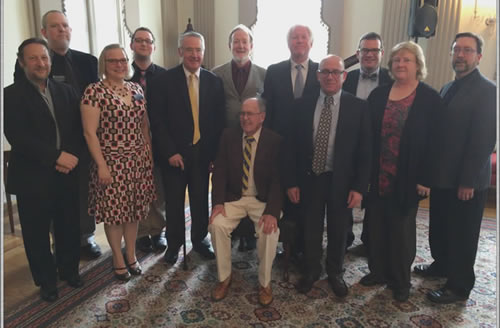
x=122 y=90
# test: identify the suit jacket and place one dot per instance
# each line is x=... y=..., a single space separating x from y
x=172 y=120
x=352 y=152
x=466 y=135
x=351 y=82
x=228 y=171
x=414 y=160
x=278 y=92
x=31 y=131
x=84 y=69
x=255 y=85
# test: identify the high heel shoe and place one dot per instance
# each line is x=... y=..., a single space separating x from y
x=137 y=270
x=122 y=276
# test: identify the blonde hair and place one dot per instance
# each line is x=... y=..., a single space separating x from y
x=102 y=60
x=417 y=51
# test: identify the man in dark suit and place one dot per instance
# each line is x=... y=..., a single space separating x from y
x=77 y=69
x=286 y=81
x=42 y=124
x=328 y=166
x=242 y=79
x=187 y=108
x=246 y=182
x=150 y=234
x=465 y=139
x=360 y=82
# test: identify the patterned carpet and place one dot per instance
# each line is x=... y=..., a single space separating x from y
x=171 y=297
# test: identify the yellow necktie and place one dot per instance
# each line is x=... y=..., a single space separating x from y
x=194 y=109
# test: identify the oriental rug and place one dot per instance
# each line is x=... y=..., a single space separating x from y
x=168 y=296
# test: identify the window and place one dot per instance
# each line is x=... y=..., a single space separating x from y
x=274 y=18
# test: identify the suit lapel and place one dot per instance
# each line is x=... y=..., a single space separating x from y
x=181 y=76
x=288 y=79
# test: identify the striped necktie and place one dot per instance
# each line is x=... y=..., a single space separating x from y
x=247 y=160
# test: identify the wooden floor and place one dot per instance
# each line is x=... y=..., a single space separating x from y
x=18 y=284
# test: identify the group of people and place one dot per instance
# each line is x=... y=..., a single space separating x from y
x=301 y=139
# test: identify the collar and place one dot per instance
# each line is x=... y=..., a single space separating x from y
x=67 y=55
x=37 y=87
x=187 y=73
x=256 y=135
x=151 y=68
x=304 y=63
x=471 y=75
x=336 y=97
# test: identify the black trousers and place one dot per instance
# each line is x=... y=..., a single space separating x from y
x=316 y=197
x=195 y=178
x=454 y=235
x=393 y=241
x=59 y=206
x=87 y=222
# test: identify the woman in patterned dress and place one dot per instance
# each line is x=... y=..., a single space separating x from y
x=116 y=129
x=402 y=113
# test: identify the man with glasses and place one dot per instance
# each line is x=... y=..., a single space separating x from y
x=246 y=182
x=328 y=167
x=187 y=110
x=242 y=79
x=360 y=82
x=150 y=235
x=78 y=69
x=465 y=138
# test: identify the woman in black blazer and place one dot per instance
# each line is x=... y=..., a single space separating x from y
x=402 y=113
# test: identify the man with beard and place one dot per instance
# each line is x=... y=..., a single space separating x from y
x=242 y=79
x=465 y=138
x=150 y=235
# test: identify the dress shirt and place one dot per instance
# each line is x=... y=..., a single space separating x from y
x=252 y=190
x=366 y=86
x=305 y=69
x=47 y=97
x=240 y=75
x=333 y=127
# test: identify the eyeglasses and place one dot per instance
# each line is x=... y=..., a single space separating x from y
x=247 y=114
x=466 y=51
x=117 y=61
x=398 y=60
x=335 y=72
x=366 y=51
x=147 y=41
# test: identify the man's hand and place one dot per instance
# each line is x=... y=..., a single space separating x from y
x=62 y=169
x=176 y=161
x=67 y=160
x=293 y=194
x=465 y=193
x=216 y=210
x=423 y=191
x=270 y=224
x=104 y=175
x=354 y=199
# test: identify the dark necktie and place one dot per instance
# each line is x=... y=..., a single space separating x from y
x=372 y=76
x=142 y=81
x=247 y=160
x=322 y=135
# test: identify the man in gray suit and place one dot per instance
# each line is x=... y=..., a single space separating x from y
x=242 y=79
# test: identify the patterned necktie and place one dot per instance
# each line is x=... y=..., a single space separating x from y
x=142 y=81
x=194 y=109
x=372 y=76
x=247 y=160
x=299 y=82
x=322 y=136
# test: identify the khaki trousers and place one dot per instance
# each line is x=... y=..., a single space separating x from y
x=222 y=227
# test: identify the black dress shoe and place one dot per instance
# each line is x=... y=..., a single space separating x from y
x=305 y=284
x=401 y=295
x=428 y=270
x=134 y=268
x=49 y=294
x=122 y=276
x=445 y=296
x=92 y=250
x=242 y=247
x=144 y=244
x=159 y=242
x=204 y=251
x=74 y=281
x=371 y=280
x=171 y=256
x=338 y=285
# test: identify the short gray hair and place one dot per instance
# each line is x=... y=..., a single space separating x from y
x=44 y=17
x=290 y=31
x=191 y=34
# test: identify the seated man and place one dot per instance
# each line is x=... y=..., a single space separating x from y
x=246 y=182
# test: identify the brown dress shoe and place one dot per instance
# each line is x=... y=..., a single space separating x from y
x=265 y=295
x=220 y=291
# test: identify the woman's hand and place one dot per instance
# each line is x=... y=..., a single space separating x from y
x=104 y=175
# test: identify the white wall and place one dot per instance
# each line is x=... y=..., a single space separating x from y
x=226 y=17
x=150 y=17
